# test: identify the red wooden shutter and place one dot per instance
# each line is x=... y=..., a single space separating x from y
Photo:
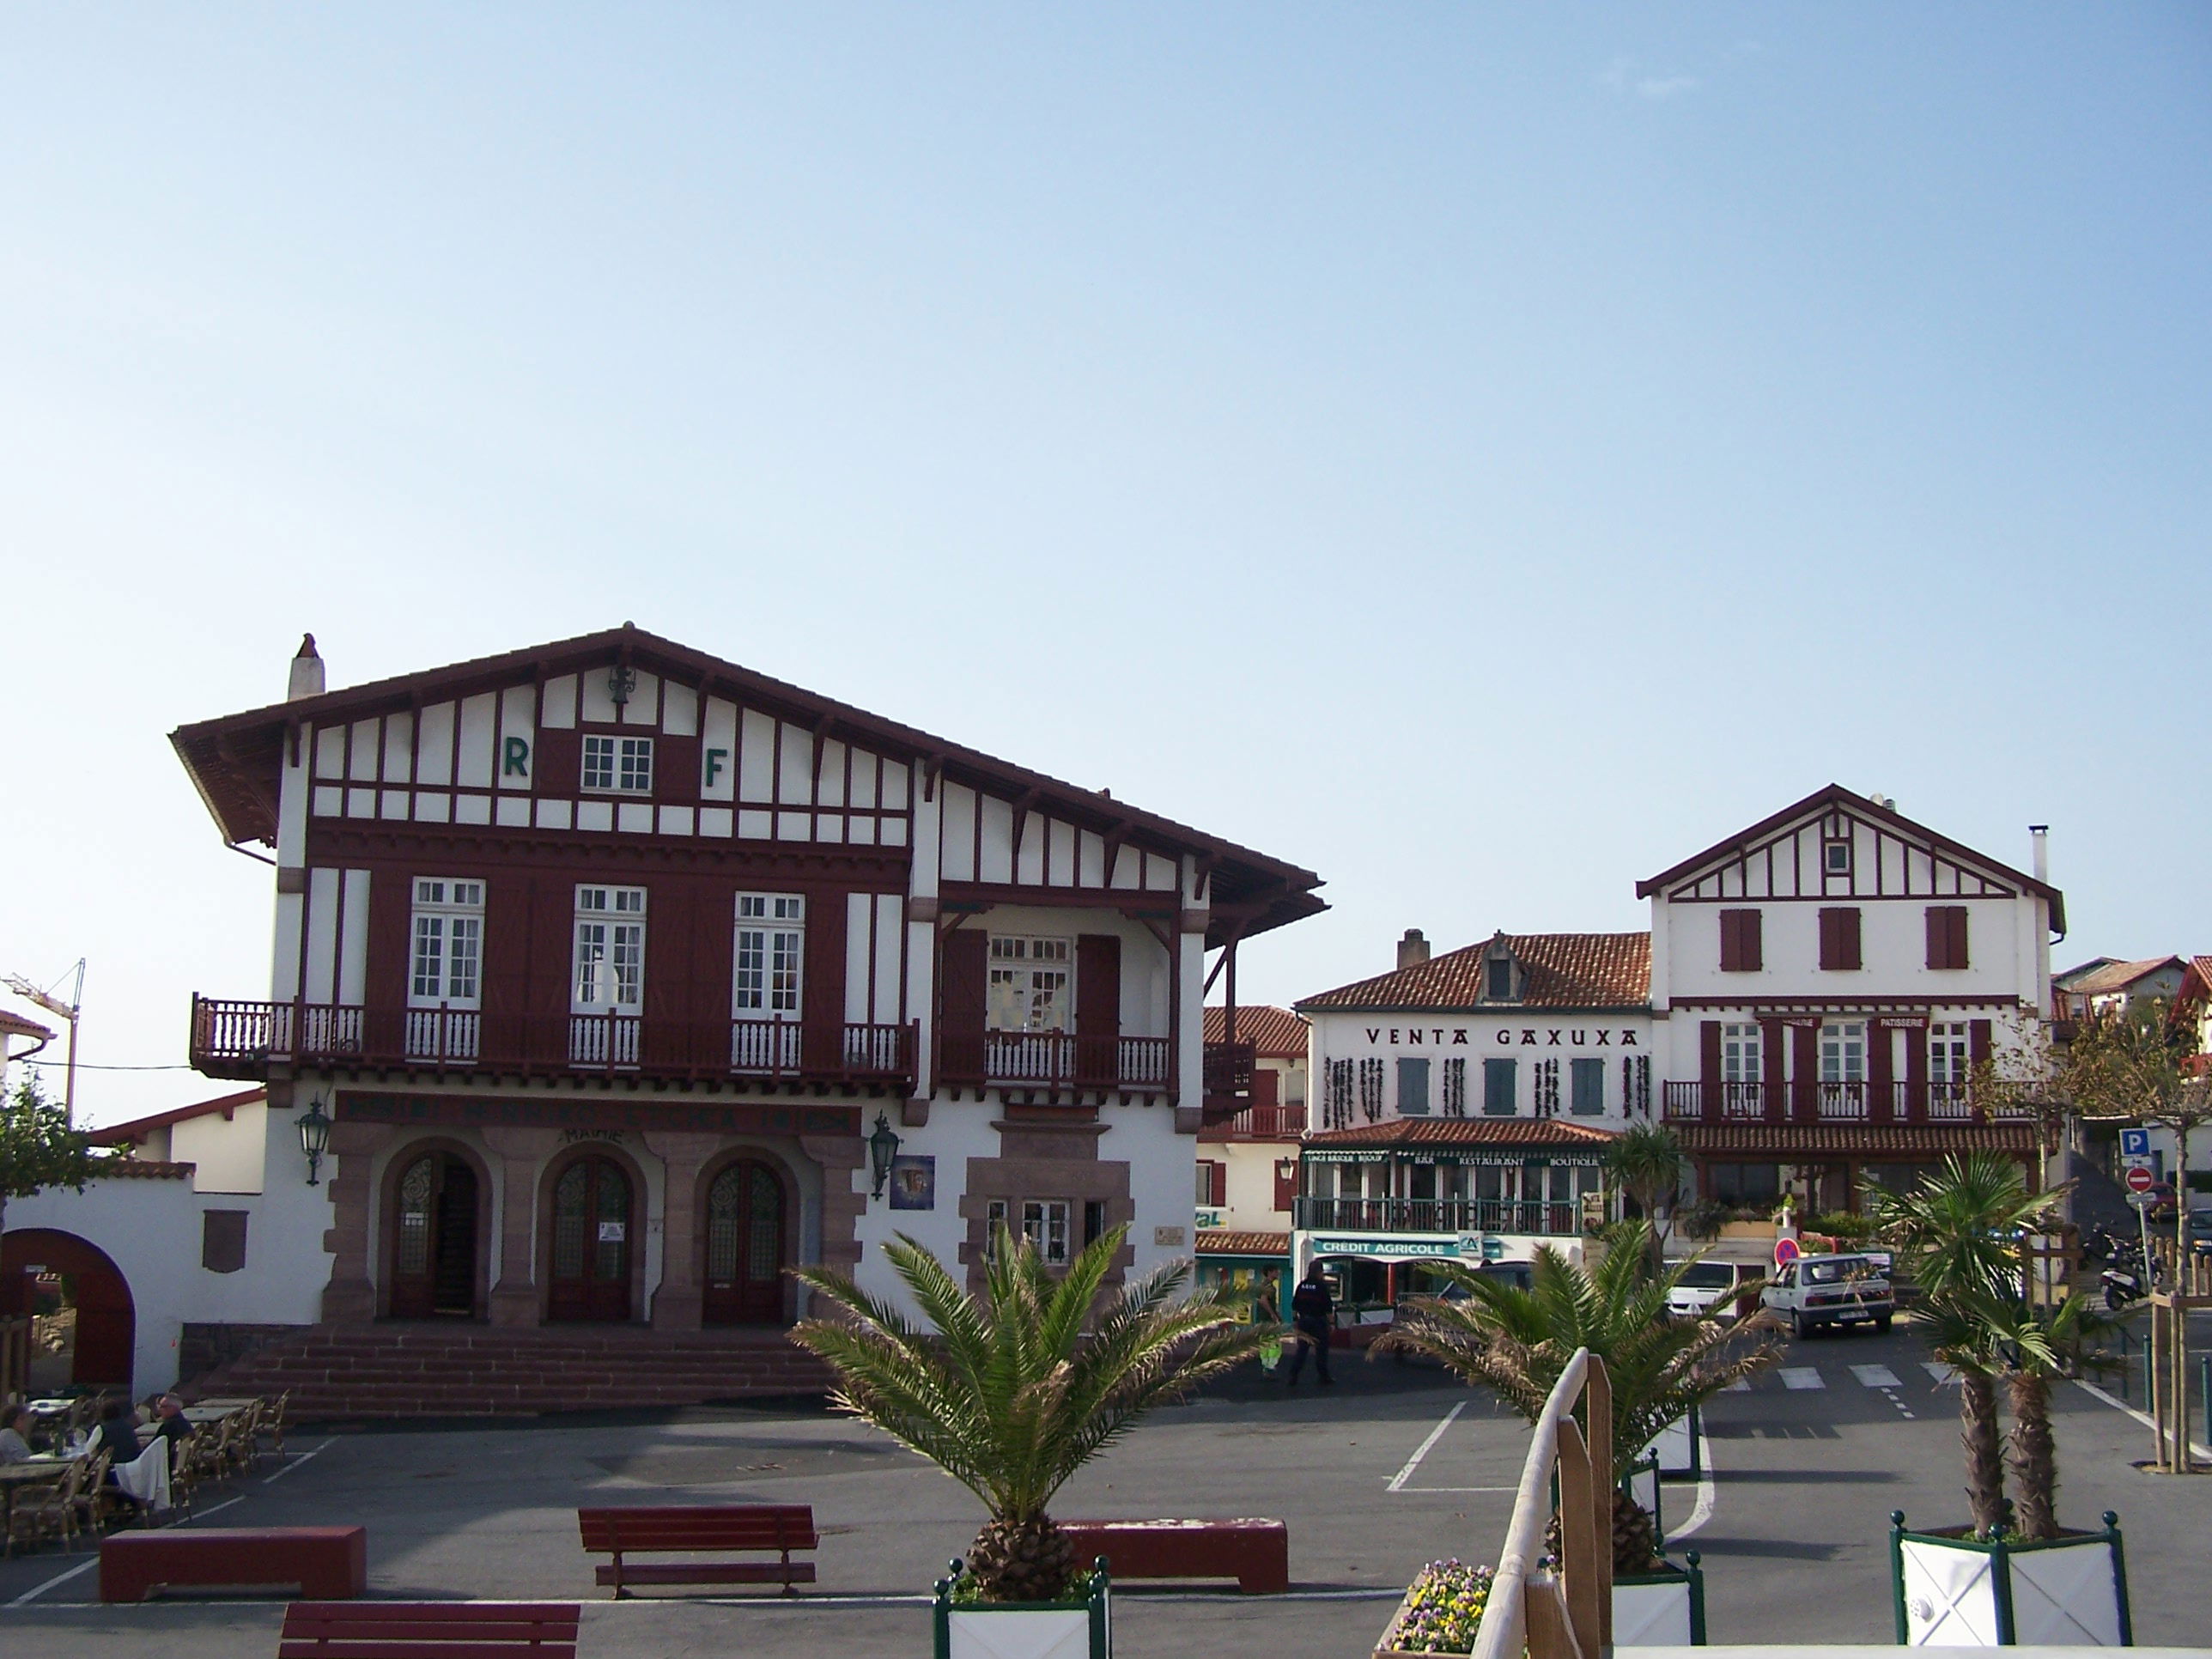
x=1916 y=1073
x=821 y=988
x=962 y=982
x=1773 y=1045
x=1947 y=936
x=1880 y=1071
x=1957 y=936
x=1287 y=1183
x=1217 y=1182
x=1839 y=940
x=1709 y=1066
x=1099 y=1008
x=507 y=1030
x=383 y=992
x=1805 y=1067
x=1978 y=1041
x=1739 y=942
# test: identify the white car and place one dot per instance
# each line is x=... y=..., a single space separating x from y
x=1817 y=1291
x=1710 y=1289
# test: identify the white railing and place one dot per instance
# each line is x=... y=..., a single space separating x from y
x=1564 y=1611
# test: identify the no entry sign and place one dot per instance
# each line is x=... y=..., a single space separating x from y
x=2140 y=1179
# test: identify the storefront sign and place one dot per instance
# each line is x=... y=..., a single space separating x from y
x=1383 y=1247
x=1509 y=1036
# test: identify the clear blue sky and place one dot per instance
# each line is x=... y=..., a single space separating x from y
x=1481 y=453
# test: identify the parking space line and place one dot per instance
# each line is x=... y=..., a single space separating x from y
x=291 y=1463
x=1398 y=1480
x=92 y=1561
x=1801 y=1376
x=1702 y=1510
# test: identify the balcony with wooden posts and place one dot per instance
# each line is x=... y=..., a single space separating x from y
x=255 y=1041
x=1535 y=1217
x=1055 y=1062
x=1908 y=1102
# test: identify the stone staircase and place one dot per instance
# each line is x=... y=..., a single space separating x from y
x=407 y=1369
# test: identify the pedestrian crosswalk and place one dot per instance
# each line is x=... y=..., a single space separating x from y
x=1879 y=1378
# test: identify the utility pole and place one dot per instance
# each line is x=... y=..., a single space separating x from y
x=68 y=1010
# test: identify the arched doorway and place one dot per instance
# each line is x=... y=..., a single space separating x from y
x=590 y=1279
x=744 y=1246
x=434 y=1239
x=54 y=1273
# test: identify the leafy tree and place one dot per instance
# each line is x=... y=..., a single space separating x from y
x=1011 y=1391
x=1516 y=1343
x=1647 y=1160
x=38 y=1147
x=1957 y=1237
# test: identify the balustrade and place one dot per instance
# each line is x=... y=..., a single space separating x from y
x=1937 y=1101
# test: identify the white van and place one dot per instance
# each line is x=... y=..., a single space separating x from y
x=1709 y=1288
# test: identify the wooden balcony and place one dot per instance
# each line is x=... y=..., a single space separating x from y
x=1052 y=1060
x=1821 y=1102
x=1258 y=1123
x=253 y=1041
x=1439 y=1215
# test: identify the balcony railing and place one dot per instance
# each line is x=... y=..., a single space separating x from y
x=247 y=1039
x=1045 y=1060
x=1438 y=1215
x=1259 y=1123
x=1821 y=1102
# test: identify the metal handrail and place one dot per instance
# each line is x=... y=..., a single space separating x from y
x=1565 y=1611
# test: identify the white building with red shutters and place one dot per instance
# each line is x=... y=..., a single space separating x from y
x=629 y=977
x=1248 y=1160
x=1825 y=984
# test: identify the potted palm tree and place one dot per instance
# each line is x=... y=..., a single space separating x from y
x=2012 y=1574
x=1517 y=1342
x=1010 y=1392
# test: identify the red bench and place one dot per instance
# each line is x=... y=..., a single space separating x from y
x=699 y=1529
x=429 y=1630
x=323 y=1561
x=1255 y=1553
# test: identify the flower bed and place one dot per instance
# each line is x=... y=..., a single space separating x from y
x=1442 y=1610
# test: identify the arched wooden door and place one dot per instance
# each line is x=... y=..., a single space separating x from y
x=590 y=1242
x=434 y=1239
x=744 y=1246
x=105 y=1337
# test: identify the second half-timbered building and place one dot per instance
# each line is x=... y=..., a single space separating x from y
x=629 y=977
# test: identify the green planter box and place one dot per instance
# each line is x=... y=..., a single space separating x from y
x=1952 y=1591
x=1663 y=1609
x=1024 y=1629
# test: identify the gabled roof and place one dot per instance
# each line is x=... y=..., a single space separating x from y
x=235 y=761
x=134 y=1133
x=1273 y=1033
x=1564 y=970
x=2064 y=981
x=2119 y=975
x=1464 y=1131
x=1835 y=797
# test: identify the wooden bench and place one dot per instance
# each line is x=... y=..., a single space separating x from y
x=1255 y=1553
x=429 y=1630
x=781 y=1527
x=323 y=1561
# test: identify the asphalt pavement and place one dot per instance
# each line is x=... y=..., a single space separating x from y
x=1393 y=1467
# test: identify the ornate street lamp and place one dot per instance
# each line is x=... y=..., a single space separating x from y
x=622 y=680
x=883 y=1146
x=314 y=1138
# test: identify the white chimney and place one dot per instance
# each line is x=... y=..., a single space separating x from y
x=2039 y=835
x=306 y=672
x=1413 y=950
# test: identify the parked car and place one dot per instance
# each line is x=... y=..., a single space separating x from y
x=2200 y=1230
x=1708 y=1287
x=1816 y=1291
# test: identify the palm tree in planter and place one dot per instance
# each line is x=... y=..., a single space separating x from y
x=1517 y=1342
x=1958 y=1234
x=1646 y=1159
x=1011 y=1391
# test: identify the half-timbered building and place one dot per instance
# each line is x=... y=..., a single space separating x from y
x=629 y=977
x=1828 y=984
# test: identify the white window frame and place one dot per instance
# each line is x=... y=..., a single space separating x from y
x=1045 y=1224
x=607 y=968
x=615 y=764
x=1830 y=864
x=1743 y=1054
x=1024 y=965
x=770 y=927
x=1843 y=1051
x=1950 y=1058
x=445 y=944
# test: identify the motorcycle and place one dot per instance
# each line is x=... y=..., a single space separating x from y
x=2123 y=1277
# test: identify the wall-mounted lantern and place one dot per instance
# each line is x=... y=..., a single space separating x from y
x=622 y=680
x=883 y=1146
x=314 y=1138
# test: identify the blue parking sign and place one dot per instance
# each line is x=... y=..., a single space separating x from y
x=2135 y=1143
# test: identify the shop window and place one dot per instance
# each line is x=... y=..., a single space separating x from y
x=1747 y=1184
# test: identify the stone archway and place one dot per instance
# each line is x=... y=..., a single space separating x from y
x=106 y=1317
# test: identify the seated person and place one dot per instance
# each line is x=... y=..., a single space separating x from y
x=16 y=1435
x=169 y=1423
x=116 y=1434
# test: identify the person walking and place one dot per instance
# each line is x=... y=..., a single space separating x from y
x=1312 y=1317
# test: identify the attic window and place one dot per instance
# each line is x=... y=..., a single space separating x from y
x=1836 y=857
x=1497 y=979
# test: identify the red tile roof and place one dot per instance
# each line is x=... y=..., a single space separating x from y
x=134 y=1133
x=1273 y=1033
x=1925 y=1140
x=2119 y=975
x=1565 y=970
x=16 y=1025
x=140 y=1168
x=1463 y=1132
x=1220 y=1240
